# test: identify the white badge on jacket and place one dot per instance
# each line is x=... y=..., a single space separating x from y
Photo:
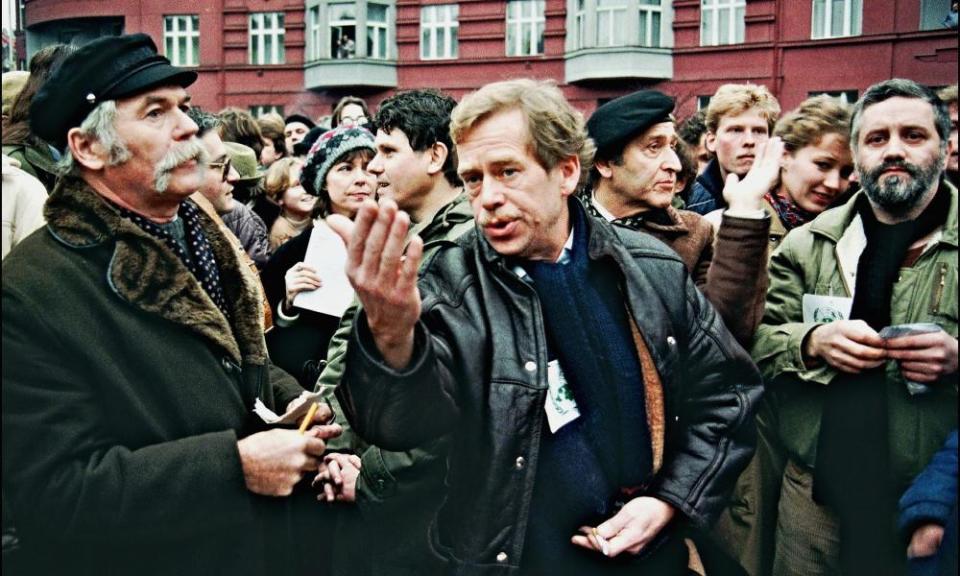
x=560 y=406
x=819 y=309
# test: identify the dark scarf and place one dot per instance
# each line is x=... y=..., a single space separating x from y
x=790 y=214
x=852 y=472
x=583 y=466
x=199 y=259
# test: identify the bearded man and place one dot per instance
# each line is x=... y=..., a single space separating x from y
x=863 y=408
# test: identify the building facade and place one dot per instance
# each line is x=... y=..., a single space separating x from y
x=303 y=55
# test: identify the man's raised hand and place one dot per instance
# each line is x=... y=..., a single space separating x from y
x=384 y=275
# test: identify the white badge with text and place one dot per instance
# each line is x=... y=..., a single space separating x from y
x=561 y=407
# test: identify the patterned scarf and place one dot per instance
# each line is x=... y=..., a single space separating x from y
x=199 y=260
x=790 y=214
x=635 y=222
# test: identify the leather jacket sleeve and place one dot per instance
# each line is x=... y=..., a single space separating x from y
x=400 y=409
x=712 y=436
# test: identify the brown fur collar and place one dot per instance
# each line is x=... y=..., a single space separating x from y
x=146 y=273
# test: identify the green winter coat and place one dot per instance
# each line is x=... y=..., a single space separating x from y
x=125 y=390
x=398 y=493
x=35 y=160
x=821 y=258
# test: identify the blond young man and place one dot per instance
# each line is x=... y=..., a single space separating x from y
x=739 y=119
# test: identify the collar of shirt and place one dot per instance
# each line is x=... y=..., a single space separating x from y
x=600 y=208
x=564 y=258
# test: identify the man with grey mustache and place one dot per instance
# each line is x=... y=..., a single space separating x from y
x=133 y=349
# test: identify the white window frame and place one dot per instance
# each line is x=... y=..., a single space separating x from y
x=375 y=50
x=849 y=27
x=314 y=46
x=736 y=27
x=332 y=24
x=647 y=33
x=617 y=17
x=268 y=24
x=580 y=24
x=173 y=33
x=518 y=19
x=433 y=19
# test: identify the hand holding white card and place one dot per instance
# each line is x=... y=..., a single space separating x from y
x=328 y=256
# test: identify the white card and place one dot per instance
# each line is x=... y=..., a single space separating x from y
x=561 y=407
x=825 y=309
x=328 y=256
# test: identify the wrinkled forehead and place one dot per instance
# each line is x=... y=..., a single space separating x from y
x=897 y=113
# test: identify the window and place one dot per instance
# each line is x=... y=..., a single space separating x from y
x=377 y=31
x=650 y=13
x=580 y=25
x=721 y=22
x=266 y=38
x=439 y=31
x=181 y=39
x=611 y=19
x=313 y=33
x=263 y=109
x=836 y=18
x=936 y=15
x=525 y=24
x=703 y=102
x=343 y=30
x=843 y=96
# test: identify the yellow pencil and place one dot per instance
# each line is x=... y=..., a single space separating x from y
x=309 y=417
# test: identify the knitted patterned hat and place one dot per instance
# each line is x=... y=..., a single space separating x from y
x=327 y=150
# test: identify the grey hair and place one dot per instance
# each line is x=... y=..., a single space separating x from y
x=899 y=87
x=99 y=124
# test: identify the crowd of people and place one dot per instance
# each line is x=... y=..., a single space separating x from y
x=543 y=344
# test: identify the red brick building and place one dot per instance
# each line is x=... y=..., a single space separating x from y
x=303 y=55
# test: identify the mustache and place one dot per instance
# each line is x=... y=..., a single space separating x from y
x=179 y=154
x=912 y=169
x=487 y=218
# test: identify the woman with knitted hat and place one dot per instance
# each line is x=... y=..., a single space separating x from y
x=336 y=176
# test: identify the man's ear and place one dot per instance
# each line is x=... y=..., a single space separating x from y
x=438 y=155
x=87 y=151
x=603 y=167
x=710 y=142
x=569 y=169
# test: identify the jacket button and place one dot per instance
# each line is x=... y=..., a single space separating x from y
x=227 y=365
x=520 y=462
x=530 y=366
x=502 y=557
x=671 y=341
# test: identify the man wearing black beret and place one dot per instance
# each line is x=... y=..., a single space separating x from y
x=633 y=183
x=133 y=347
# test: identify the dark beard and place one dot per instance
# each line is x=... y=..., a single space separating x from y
x=899 y=194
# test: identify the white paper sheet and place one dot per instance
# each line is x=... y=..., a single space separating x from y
x=327 y=254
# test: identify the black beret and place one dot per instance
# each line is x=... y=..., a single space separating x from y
x=108 y=68
x=613 y=125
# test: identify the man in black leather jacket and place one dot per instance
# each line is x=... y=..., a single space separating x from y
x=596 y=401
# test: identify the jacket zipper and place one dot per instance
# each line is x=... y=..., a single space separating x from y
x=938 y=296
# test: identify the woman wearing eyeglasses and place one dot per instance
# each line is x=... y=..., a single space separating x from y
x=336 y=178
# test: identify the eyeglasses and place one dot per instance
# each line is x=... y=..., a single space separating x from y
x=350 y=121
x=224 y=168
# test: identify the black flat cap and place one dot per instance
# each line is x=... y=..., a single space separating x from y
x=613 y=125
x=109 y=68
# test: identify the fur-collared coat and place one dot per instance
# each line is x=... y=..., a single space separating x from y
x=125 y=390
